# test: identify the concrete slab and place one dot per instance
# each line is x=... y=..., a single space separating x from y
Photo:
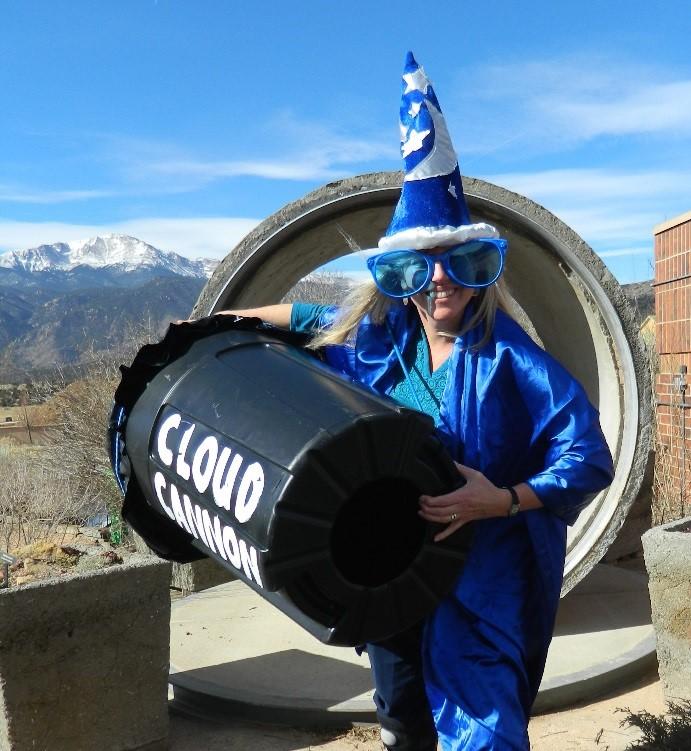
x=603 y=639
x=233 y=654
x=591 y=727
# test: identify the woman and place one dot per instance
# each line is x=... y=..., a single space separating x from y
x=433 y=333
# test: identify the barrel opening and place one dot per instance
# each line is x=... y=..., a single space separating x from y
x=377 y=533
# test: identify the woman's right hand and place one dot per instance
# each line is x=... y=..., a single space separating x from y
x=276 y=315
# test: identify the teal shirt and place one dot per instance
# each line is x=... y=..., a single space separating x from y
x=427 y=386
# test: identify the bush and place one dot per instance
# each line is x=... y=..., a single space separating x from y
x=34 y=502
x=76 y=447
x=77 y=451
x=668 y=732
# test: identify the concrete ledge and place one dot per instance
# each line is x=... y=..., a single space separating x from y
x=235 y=655
x=189 y=577
x=667 y=552
x=199 y=575
x=84 y=660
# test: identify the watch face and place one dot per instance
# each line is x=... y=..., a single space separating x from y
x=515 y=508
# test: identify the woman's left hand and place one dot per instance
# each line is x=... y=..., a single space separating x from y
x=479 y=498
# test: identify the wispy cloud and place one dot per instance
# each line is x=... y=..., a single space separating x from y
x=285 y=148
x=606 y=227
x=210 y=237
x=613 y=210
x=209 y=170
x=585 y=185
x=626 y=252
x=567 y=101
x=301 y=151
x=18 y=194
x=658 y=107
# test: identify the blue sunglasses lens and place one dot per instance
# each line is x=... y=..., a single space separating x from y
x=476 y=263
x=400 y=273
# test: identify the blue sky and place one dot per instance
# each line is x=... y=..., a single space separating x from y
x=185 y=123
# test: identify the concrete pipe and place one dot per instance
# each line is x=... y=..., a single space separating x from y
x=570 y=299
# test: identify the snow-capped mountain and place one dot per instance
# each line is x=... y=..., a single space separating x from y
x=113 y=252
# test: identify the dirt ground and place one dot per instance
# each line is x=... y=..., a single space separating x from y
x=588 y=727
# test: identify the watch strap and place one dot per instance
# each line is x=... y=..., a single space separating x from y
x=515 y=506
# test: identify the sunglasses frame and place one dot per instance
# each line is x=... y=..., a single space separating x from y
x=431 y=259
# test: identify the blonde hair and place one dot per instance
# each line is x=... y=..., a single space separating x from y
x=367 y=299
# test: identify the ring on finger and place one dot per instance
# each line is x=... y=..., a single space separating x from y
x=453 y=517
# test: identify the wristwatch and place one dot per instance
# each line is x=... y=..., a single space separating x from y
x=515 y=506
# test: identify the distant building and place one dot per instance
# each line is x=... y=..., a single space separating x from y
x=672 y=286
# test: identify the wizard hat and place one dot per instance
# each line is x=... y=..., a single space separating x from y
x=431 y=210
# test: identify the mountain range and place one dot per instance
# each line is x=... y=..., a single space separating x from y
x=111 y=260
x=60 y=303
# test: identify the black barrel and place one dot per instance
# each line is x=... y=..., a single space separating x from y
x=237 y=445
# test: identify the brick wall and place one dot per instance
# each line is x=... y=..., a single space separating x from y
x=673 y=343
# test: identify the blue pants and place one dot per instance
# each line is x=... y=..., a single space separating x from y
x=501 y=694
x=402 y=707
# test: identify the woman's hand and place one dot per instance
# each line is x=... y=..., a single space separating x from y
x=477 y=499
x=218 y=313
x=276 y=315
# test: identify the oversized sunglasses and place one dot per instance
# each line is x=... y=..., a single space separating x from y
x=402 y=273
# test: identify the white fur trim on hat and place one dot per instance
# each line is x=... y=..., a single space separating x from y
x=421 y=238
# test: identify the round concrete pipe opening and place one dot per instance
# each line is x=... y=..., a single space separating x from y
x=573 y=303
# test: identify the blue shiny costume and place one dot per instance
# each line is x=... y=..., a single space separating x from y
x=511 y=411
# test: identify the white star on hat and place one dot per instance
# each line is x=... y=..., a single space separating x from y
x=414 y=142
x=416 y=81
